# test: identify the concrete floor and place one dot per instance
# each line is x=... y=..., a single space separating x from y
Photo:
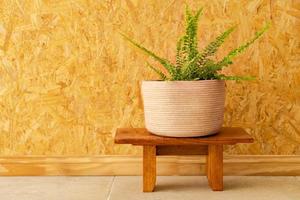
x=168 y=188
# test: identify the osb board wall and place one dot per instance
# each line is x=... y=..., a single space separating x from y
x=68 y=80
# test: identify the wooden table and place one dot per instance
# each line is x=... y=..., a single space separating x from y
x=211 y=146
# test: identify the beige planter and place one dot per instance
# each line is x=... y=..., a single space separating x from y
x=183 y=108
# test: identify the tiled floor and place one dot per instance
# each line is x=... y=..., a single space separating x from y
x=123 y=188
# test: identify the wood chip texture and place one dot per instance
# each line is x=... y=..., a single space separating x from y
x=68 y=79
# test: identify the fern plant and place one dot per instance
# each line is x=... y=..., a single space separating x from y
x=194 y=64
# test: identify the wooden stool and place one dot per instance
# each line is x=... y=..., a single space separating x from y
x=154 y=145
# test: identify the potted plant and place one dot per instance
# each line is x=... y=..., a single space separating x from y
x=189 y=99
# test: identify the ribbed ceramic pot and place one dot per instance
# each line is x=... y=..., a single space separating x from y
x=183 y=108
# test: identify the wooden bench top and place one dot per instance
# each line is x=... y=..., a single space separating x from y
x=140 y=136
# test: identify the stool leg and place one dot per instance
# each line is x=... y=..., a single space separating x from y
x=215 y=167
x=149 y=168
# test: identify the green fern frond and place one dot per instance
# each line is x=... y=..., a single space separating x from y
x=188 y=14
x=180 y=53
x=189 y=50
x=213 y=46
x=208 y=71
x=227 y=60
x=236 y=78
x=192 y=64
x=190 y=39
x=189 y=69
x=167 y=64
x=159 y=72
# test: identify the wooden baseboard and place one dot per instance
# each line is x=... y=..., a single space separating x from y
x=132 y=165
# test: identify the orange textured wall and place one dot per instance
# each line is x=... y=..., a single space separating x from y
x=68 y=80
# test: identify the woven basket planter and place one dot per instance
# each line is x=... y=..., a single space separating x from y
x=183 y=108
